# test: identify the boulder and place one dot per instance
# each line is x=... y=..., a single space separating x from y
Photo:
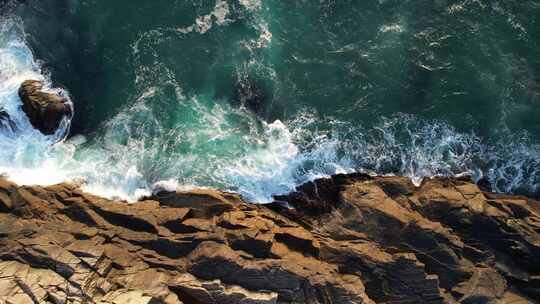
x=44 y=110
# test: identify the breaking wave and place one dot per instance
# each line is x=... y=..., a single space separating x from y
x=213 y=143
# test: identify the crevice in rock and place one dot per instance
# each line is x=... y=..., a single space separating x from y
x=176 y=226
x=79 y=214
x=297 y=244
x=185 y=297
x=126 y=221
x=168 y=248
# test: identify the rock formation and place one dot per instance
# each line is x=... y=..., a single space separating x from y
x=349 y=239
x=44 y=110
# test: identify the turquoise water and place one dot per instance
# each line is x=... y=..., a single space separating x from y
x=258 y=96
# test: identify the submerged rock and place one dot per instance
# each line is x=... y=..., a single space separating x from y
x=44 y=110
x=349 y=239
x=5 y=121
x=253 y=94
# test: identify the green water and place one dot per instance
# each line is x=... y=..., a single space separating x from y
x=259 y=96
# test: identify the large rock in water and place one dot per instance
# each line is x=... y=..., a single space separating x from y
x=349 y=239
x=44 y=110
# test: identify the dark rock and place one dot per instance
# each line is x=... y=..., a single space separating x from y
x=251 y=95
x=44 y=110
x=484 y=184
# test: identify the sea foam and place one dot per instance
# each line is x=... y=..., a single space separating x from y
x=25 y=153
x=213 y=143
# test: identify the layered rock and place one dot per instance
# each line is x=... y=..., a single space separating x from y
x=349 y=239
x=45 y=110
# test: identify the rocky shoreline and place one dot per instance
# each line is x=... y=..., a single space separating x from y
x=348 y=239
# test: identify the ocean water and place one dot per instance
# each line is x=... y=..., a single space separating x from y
x=259 y=96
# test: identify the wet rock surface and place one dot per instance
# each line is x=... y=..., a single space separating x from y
x=349 y=239
x=44 y=110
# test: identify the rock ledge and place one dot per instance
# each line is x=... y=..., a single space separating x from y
x=348 y=239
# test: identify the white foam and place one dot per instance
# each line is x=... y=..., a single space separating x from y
x=252 y=5
x=204 y=23
x=263 y=41
x=455 y=8
x=27 y=156
x=391 y=28
x=170 y=185
x=268 y=169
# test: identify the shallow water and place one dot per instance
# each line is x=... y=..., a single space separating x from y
x=260 y=96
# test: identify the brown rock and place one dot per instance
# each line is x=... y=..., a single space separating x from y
x=349 y=239
x=451 y=227
x=44 y=110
